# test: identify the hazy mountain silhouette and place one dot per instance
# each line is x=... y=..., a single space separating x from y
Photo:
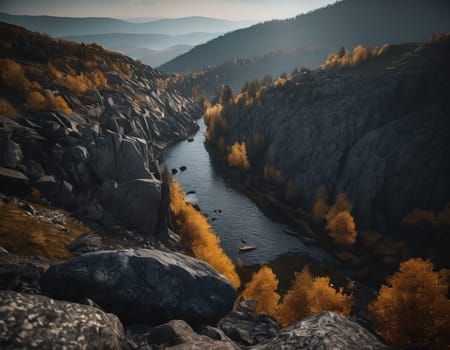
x=114 y=41
x=65 y=26
x=346 y=23
x=154 y=58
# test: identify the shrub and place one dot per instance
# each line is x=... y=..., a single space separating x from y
x=340 y=222
x=238 y=156
x=308 y=296
x=342 y=229
x=195 y=229
x=6 y=109
x=413 y=308
x=36 y=101
x=272 y=174
x=262 y=289
x=13 y=76
x=360 y=54
x=320 y=207
x=417 y=216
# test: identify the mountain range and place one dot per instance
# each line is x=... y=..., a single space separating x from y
x=346 y=23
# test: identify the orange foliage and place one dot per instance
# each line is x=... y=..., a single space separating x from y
x=438 y=38
x=6 y=109
x=238 y=156
x=291 y=190
x=272 y=174
x=321 y=297
x=262 y=289
x=294 y=306
x=340 y=222
x=217 y=125
x=308 y=296
x=342 y=229
x=320 y=207
x=413 y=308
x=195 y=229
x=417 y=216
x=13 y=76
x=79 y=83
x=37 y=102
x=360 y=54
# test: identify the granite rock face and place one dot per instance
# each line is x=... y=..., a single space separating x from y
x=377 y=132
x=144 y=286
x=37 y=322
x=324 y=331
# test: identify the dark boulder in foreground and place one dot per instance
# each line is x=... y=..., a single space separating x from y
x=325 y=331
x=37 y=322
x=144 y=286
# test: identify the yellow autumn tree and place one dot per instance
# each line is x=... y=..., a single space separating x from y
x=322 y=297
x=294 y=306
x=342 y=229
x=238 y=156
x=262 y=289
x=310 y=295
x=194 y=228
x=340 y=223
x=413 y=308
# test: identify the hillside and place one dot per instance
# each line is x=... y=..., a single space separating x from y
x=375 y=129
x=65 y=26
x=346 y=23
x=78 y=119
x=155 y=58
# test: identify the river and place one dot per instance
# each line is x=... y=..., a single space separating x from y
x=233 y=216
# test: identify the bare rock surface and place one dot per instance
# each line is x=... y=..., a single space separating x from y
x=144 y=286
x=37 y=322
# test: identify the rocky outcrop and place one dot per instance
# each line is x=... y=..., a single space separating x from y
x=37 y=322
x=324 y=331
x=377 y=132
x=177 y=334
x=146 y=286
x=246 y=328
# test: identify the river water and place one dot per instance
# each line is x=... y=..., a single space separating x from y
x=233 y=216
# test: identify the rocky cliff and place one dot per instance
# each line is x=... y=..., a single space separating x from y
x=377 y=131
x=85 y=127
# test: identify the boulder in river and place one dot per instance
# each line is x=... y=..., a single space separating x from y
x=144 y=286
x=325 y=331
x=35 y=321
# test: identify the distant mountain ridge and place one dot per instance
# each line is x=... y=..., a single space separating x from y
x=346 y=23
x=153 y=41
x=65 y=26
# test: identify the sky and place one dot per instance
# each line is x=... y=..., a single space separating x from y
x=229 y=9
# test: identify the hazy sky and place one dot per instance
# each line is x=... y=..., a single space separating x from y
x=231 y=9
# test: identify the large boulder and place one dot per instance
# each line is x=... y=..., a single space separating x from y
x=136 y=203
x=10 y=153
x=325 y=331
x=144 y=286
x=37 y=322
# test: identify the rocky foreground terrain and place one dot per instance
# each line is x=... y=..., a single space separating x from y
x=104 y=273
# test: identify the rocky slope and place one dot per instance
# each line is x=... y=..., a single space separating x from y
x=94 y=152
x=377 y=132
